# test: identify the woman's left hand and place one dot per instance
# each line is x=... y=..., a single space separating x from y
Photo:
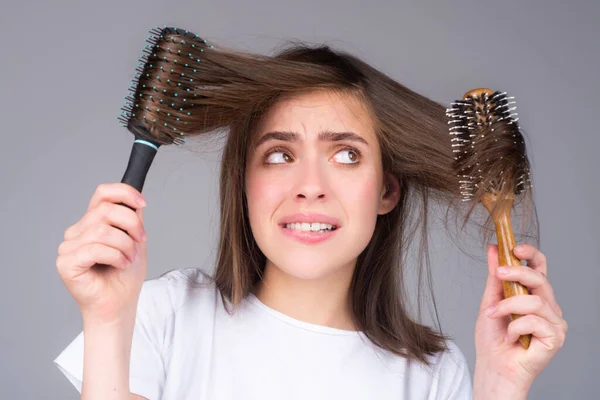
x=503 y=368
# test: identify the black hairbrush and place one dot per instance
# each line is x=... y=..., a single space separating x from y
x=492 y=167
x=156 y=101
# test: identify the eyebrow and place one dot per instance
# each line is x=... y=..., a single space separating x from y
x=327 y=136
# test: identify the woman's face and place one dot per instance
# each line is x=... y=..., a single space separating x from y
x=341 y=179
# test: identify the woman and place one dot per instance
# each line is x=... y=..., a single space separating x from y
x=326 y=162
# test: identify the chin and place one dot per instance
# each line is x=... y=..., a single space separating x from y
x=309 y=268
x=311 y=262
x=307 y=274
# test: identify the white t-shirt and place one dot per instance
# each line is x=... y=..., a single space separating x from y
x=186 y=346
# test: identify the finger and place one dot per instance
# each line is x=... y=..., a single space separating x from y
x=116 y=193
x=73 y=264
x=527 y=305
x=548 y=335
x=102 y=234
x=96 y=253
x=535 y=258
x=535 y=281
x=111 y=214
x=493 y=292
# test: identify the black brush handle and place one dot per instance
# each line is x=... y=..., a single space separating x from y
x=140 y=160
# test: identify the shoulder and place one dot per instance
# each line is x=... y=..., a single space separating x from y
x=451 y=372
x=452 y=358
x=167 y=293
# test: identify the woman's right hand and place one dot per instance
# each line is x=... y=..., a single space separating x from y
x=103 y=267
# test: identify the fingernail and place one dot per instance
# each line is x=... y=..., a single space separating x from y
x=141 y=202
x=491 y=310
x=519 y=248
x=503 y=270
x=144 y=236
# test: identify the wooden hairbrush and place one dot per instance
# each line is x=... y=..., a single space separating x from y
x=492 y=167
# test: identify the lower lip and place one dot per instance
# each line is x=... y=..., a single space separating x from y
x=308 y=237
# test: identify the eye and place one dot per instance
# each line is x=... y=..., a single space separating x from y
x=286 y=157
x=351 y=150
x=268 y=159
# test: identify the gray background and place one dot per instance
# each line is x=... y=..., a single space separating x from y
x=66 y=66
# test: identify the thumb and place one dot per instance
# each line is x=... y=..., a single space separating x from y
x=140 y=213
x=490 y=330
x=494 y=291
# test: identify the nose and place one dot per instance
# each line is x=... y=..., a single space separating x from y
x=311 y=180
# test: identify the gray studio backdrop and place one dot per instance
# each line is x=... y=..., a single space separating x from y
x=65 y=69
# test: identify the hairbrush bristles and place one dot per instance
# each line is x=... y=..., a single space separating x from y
x=157 y=102
x=156 y=107
x=490 y=155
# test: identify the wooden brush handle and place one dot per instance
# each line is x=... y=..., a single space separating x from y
x=506 y=244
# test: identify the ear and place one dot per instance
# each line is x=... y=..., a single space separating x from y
x=390 y=194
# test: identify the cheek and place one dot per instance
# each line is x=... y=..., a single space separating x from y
x=361 y=200
x=263 y=195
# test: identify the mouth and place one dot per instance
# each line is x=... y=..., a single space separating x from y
x=310 y=228
x=309 y=236
x=304 y=227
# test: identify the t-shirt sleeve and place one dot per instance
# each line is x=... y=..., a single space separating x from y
x=147 y=371
x=454 y=377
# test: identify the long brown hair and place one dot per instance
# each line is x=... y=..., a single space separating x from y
x=233 y=90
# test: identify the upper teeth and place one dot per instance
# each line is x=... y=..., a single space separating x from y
x=305 y=226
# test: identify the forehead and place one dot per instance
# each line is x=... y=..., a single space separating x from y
x=310 y=113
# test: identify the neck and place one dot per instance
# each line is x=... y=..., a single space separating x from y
x=322 y=301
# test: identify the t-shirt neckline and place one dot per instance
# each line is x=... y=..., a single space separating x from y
x=300 y=324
